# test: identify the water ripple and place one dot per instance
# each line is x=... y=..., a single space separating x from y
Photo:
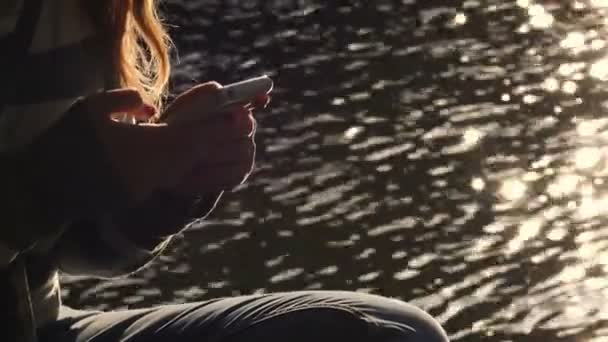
x=449 y=153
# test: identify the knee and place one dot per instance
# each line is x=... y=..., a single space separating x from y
x=391 y=320
x=307 y=323
x=343 y=316
x=399 y=321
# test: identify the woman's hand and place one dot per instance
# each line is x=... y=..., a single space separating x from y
x=226 y=160
x=213 y=154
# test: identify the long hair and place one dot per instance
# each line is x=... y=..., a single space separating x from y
x=139 y=44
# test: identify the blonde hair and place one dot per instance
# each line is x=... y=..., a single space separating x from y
x=139 y=43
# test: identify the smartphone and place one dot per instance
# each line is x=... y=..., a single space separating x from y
x=245 y=91
x=236 y=93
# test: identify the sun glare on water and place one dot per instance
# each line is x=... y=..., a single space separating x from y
x=539 y=17
x=587 y=158
x=513 y=190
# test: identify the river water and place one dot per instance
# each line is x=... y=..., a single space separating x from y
x=449 y=153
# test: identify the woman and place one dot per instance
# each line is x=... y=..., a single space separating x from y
x=88 y=194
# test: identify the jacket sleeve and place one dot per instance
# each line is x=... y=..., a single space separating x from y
x=125 y=242
x=61 y=176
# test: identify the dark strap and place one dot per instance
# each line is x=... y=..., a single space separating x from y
x=16 y=47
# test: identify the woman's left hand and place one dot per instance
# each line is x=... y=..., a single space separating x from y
x=228 y=163
x=224 y=163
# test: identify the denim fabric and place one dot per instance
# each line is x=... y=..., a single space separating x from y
x=316 y=316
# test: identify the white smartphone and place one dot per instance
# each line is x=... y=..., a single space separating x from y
x=245 y=91
x=235 y=93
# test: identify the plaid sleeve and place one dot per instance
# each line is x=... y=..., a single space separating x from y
x=61 y=176
x=100 y=249
x=130 y=239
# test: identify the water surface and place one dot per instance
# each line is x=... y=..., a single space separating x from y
x=449 y=153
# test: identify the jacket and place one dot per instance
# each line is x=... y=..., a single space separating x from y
x=62 y=208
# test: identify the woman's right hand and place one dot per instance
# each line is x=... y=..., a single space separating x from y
x=154 y=156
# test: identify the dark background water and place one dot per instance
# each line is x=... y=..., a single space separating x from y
x=449 y=153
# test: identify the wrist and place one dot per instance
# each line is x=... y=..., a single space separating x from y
x=161 y=215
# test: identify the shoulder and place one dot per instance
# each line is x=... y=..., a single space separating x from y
x=9 y=12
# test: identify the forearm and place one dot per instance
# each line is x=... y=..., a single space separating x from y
x=125 y=242
x=163 y=215
x=99 y=249
x=61 y=176
x=68 y=172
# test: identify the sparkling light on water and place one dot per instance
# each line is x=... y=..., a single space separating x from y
x=527 y=231
x=569 y=87
x=572 y=273
x=588 y=128
x=353 y=132
x=551 y=84
x=587 y=158
x=598 y=44
x=539 y=17
x=513 y=190
x=472 y=137
x=564 y=185
x=531 y=227
x=592 y=207
x=530 y=99
x=599 y=70
x=573 y=40
x=599 y=3
x=569 y=69
x=460 y=19
x=478 y=184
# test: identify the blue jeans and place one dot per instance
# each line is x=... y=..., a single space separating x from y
x=315 y=316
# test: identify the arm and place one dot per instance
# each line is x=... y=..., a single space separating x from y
x=61 y=175
x=209 y=157
x=123 y=243
x=128 y=240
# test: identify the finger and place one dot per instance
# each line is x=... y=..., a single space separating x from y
x=113 y=101
x=142 y=114
x=206 y=87
x=241 y=151
x=244 y=121
x=217 y=178
x=252 y=125
x=184 y=148
x=197 y=102
x=236 y=168
x=234 y=126
x=222 y=113
x=261 y=101
x=145 y=112
x=234 y=108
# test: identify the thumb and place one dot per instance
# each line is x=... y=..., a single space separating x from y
x=195 y=101
x=113 y=101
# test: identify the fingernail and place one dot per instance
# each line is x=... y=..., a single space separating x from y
x=149 y=110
